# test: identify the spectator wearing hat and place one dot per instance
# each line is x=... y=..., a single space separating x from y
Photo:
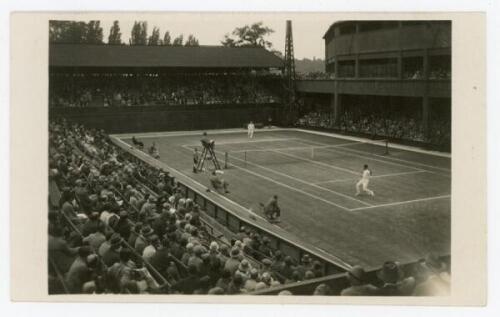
x=216 y=291
x=92 y=224
x=66 y=205
x=233 y=262
x=436 y=279
x=224 y=280
x=188 y=254
x=148 y=210
x=195 y=259
x=135 y=200
x=162 y=258
x=96 y=239
x=150 y=250
x=112 y=255
x=203 y=286
x=218 y=183
x=236 y=285
x=79 y=272
x=359 y=287
x=309 y=275
x=123 y=226
x=119 y=274
x=266 y=281
x=265 y=248
x=287 y=269
x=142 y=240
x=393 y=281
x=252 y=281
x=59 y=250
x=134 y=234
x=322 y=290
x=214 y=268
x=317 y=269
x=244 y=269
x=188 y=284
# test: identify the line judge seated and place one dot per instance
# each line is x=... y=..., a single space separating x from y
x=218 y=183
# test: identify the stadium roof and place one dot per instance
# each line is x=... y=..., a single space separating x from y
x=85 y=55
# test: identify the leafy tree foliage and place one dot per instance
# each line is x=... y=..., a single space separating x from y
x=178 y=40
x=75 y=32
x=167 y=39
x=249 y=36
x=115 y=36
x=139 y=33
x=154 y=39
x=192 y=41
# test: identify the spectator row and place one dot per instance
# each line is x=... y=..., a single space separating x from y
x=78 y=90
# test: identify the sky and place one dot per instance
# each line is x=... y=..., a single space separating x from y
x=210 y=28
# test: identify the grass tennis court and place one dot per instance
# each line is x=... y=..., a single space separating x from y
x=315 y=176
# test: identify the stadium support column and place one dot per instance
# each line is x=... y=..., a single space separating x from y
x=425 y=114
x=425 y=97
x=335 y=107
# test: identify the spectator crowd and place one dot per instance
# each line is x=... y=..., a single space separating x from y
x=69 y=90
x=387 y=124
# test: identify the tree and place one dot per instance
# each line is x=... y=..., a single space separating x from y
x=154 y=39
x=167 y=38
x=139 y=33
x=115 y=37
x=249 y=36
x=178 y=40
x=94 y=32
x=75 y=32
x=192 y=41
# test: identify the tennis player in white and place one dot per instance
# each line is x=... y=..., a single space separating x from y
x=251 y=129
x=363 y=182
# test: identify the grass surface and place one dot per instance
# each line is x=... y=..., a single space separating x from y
x=314 y=177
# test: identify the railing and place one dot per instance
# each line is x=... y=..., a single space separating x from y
x=337 y=282
x=377 y=86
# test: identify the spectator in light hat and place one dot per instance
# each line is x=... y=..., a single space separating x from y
x=393 y=283
x=359 y=286
x=252 y=281
x=233 y=262
x=244 y=269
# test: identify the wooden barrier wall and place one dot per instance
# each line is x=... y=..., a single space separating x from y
x=169 y=117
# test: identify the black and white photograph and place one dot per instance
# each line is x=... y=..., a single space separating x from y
x=259 y=159
x=290 y=158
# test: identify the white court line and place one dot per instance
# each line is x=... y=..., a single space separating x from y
x=366 y=156
x=291 y=147
x=298 y=180
x=401 y=202
x=283 y=184
x=368 y=141
x=256 y=141
x=377 y=176
x=386 y=159
x=318 y=163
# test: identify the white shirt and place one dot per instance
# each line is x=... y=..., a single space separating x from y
x=251 y=126
x=366 y=174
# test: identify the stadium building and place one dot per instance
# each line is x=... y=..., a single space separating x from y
x=88 y=83
x=384 y=70
x=166 y=216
